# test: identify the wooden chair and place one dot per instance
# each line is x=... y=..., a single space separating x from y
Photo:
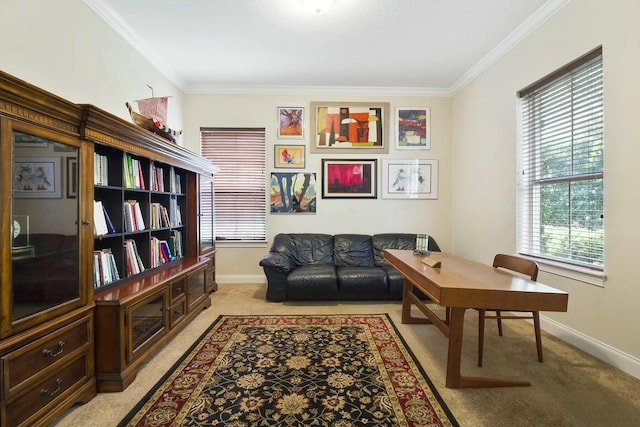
x=527 y=268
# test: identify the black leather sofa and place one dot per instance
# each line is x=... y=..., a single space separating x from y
x=307 y=266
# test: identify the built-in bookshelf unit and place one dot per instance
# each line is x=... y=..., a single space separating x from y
x=138 y=220
x=150 y=273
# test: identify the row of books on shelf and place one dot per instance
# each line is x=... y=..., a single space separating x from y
x=133 y=176
x=133 y=217
x=163 y=251
x=105 y=268
x=100 y=170
x=102 y=223
x=157 y=178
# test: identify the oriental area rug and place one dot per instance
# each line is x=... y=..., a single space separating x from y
x=325 y=370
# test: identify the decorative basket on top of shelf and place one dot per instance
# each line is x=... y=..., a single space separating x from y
x=153 y=116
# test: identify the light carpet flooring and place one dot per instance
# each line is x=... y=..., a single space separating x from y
x=570 y=388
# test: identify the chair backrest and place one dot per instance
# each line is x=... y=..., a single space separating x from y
x=520 y=265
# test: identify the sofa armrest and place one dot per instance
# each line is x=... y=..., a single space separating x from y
x=278 y=261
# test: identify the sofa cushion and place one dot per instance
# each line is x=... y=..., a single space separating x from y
x=312 y=282
x=353 y=250
x=362 y=283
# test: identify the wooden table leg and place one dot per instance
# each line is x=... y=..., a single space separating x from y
x=454 y=358
x=407 y=298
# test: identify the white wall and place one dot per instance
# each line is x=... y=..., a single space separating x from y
x=483 y=166
x=369 y=216
x=63 y=47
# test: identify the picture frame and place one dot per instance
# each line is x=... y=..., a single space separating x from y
x=72 y=177
x=409 y=179
x=349 y=179
x=291 y=122
x=413 y=128
x=36 y=177
x=293 y=192
x=349 y=127
x=289 y=156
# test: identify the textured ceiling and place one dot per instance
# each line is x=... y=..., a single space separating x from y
x=209 y=45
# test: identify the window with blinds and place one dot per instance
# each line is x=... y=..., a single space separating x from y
x=560 y=188
x=240 y=197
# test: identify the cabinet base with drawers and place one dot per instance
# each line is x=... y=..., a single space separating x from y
x=47 y=369
x=135 y=319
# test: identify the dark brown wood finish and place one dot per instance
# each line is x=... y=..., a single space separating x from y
x=63 y=336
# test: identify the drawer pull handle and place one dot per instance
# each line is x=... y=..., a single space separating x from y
x=46 y=392
x=47 y=352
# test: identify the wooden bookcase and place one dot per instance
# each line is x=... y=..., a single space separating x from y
x=139 y=312
x=46 y=301
x=61 y=340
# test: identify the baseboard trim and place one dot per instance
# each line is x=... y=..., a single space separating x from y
x=241 y=278
x=623 y=361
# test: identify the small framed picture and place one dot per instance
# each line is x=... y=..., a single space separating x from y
x=349 y=179
x=288 y=156
x=291 y=122
x=37 y=177
x=409 y=179
x=413 y=128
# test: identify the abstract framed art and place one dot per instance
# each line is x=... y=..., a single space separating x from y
x=289 y=156
x=409 y=179
x=293 y=192
x=291 y=122
x=349 y=127
x=413 y=128
x=349 y=179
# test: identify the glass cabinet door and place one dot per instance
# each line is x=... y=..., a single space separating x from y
x=206 y=216
x=44 y=225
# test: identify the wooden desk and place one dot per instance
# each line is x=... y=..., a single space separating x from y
x=461 y=284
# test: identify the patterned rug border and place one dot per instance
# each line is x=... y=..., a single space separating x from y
x=181 y=360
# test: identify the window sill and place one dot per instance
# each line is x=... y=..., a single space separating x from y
x=581 y=274
x=241 y=244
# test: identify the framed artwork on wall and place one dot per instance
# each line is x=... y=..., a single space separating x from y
x=413 y=128
x=291 y=122
x=36 y=177
x=409 y=179
x=349 y=127
x=293 y=192
x=289 y=156
x=349 y=179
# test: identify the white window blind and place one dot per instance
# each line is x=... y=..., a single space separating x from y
x=560 y=189
x=240 y=197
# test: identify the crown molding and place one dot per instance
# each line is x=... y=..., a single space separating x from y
x=104 y=11
x=316 y=90
x=546 y=11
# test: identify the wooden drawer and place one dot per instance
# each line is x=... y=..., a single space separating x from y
x=178 y=289
x=25 y=365
x=45 y=393
x=178 y=312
